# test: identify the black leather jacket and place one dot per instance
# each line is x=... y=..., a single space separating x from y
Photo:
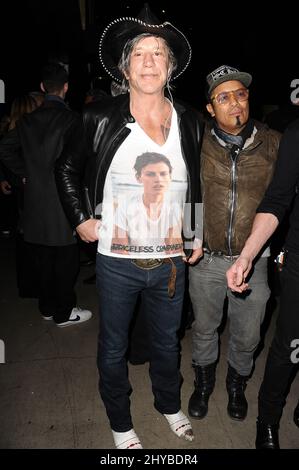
x=32 y=150
x=94 y=147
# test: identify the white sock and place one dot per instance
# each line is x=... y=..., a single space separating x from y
x=126 y=440
x=180 y=425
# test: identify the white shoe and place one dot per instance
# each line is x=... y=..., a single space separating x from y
x=47 y=317
x=78 y=315
x=180 y=425
x=126 y=440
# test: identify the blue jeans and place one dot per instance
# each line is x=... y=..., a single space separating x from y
x=119 y=282
x=208 y=290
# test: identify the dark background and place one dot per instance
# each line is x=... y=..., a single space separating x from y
x=238 y=34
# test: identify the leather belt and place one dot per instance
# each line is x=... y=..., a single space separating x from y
x=152 y=263
x=220 y=254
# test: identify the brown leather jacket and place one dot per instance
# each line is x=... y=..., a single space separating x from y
x=232 y=190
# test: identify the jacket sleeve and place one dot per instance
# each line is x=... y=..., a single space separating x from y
x=10 y=153
x=282 y=188
x=191 y=130
x=2 y=175
x=69 y=174
x=198 y=200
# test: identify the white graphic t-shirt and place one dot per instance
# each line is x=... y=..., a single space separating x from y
x=144 y=194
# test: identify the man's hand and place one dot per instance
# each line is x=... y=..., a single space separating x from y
x=197 y=253
x=5 y=187
x=88 y=230
x=237 y=273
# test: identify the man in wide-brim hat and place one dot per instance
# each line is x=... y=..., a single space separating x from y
x=117 y=34
x=144 y=56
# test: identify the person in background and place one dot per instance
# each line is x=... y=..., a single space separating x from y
x=31 y=150
x=10 y=184
x=26 y=260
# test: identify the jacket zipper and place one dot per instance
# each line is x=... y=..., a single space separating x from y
x=233 y=201
x=88 y=204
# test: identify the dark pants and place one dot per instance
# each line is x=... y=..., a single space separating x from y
x=282 y=356
x=27 y=268
x=119 y=283
x=8 y=211
x=58 y=268
x=138 y=351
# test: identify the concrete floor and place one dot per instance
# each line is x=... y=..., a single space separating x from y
x=48 y=384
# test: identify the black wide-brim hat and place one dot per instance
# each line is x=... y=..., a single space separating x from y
x=119 y=31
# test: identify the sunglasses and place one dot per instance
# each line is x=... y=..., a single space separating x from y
x=224 y=97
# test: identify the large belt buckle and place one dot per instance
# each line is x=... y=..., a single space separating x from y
x=148 y=263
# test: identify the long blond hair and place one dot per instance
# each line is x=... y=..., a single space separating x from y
x=20 y=106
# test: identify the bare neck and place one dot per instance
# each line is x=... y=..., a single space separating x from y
x=147 y=104
x=153 y=114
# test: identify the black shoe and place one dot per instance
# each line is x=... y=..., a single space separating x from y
x=204 y=385
x=90 y=280
x=296 y=415
x=198 y=404
x=237 y=404
x=266 y=436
